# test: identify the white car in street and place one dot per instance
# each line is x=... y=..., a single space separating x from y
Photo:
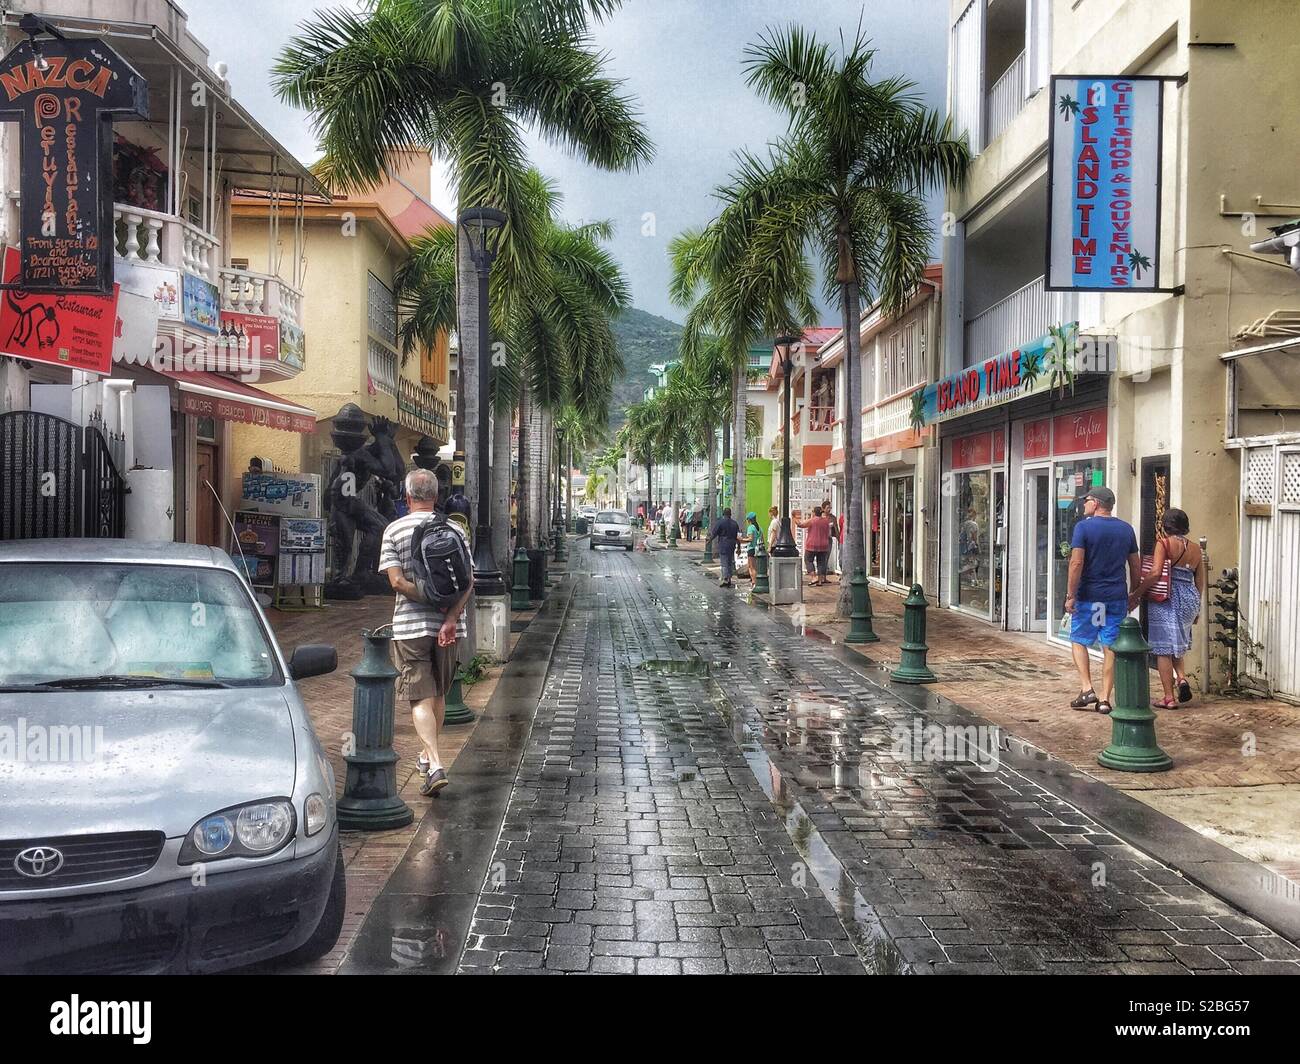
x=612 y=528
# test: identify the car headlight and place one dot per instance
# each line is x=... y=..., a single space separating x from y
x=315 y=814
x=251 y=830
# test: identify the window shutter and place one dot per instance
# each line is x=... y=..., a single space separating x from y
x=966 y=73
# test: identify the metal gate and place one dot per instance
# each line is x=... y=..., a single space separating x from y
x=1269 y=650
x=57 y=479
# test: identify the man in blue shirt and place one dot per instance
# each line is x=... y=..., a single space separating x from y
x=726 y=532
x=1104 y=564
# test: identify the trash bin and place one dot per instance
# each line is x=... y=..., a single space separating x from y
x=536 y=574
x=582 y=526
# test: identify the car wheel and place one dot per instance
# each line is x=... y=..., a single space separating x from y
x=627 y=546
x=327 y=930
x=591 y=544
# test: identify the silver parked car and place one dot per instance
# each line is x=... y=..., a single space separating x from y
x=165 y=805
x=612 y=527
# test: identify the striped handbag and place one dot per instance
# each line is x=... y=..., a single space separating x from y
x=1159 y=591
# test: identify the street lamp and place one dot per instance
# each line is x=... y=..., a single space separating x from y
x=785 y=546
x=482 y=227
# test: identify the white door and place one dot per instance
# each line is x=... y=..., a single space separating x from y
x=1038 y=547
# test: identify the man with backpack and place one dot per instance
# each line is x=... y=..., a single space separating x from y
x=426 y=558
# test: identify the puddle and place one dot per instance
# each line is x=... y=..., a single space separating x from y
x=676 y=666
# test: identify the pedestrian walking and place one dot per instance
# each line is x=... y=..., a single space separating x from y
x=832 y=552
x=1170 y=619
x=1104 y=564
x=817 y=544
x=752 y=536
x=424 y=639
x=773 y=527
x=727 y=533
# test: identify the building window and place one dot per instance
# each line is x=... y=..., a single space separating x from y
x=381 y=311
x=205 y=428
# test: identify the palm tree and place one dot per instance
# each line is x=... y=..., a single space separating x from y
x=465 y=79
x=555 y=316
x=1068 y=106
x=847 y=180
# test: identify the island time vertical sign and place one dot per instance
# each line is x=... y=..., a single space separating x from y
x=1104 y=184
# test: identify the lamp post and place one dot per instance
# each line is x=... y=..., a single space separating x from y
x=785 y=546
x=483 y=227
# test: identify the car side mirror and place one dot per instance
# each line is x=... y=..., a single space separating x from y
x=313 y=659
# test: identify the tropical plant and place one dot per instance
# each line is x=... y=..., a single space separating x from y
x=466 y=79
x=1138 y=262
x=554 y=315
x=916 y=414
x=1062 y=355
x=1068 y=106
x=847 y=180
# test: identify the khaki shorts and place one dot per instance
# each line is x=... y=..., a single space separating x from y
x=426 y=668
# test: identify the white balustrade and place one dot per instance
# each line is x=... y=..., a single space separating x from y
x=158 y=239
x=1005 y=100
x=382 y=365
x=1022 y=316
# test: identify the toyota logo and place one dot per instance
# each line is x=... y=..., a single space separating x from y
x=38 y=861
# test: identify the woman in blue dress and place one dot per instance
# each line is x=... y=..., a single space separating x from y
x=1170 y=622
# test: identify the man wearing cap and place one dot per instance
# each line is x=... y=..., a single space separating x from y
x=1104 y=564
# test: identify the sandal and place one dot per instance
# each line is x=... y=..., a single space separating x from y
x=1184 y=689
x=1164 y=703
x=1101 y=704
x=1085 y=700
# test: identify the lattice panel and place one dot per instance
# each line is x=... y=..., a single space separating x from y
x=1259 y=474
x=1291 y=476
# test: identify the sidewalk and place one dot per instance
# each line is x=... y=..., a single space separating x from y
x=371 y=857
x=1249 y=802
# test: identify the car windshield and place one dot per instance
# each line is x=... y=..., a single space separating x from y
x=612 y=517
x=146 y=623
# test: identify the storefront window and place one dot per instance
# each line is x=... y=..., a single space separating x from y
x=1071 y=482
x=974 y=541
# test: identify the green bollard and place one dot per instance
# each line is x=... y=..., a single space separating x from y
x=1133 y=746
x=370 y=801
x=672 y=533
x=860 y=630
x=761 y=586
x=455 y=711
x=560 y=553
x=663 y=531
x=519 y=599
x=708 y=547
x=911 y=666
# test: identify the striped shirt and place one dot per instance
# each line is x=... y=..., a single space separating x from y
x=411 y=620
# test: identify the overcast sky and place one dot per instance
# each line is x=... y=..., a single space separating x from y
x=679 y=58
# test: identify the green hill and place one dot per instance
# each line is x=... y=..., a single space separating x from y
x=643 y=340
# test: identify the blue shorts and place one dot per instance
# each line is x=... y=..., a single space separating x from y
x=1094 y=621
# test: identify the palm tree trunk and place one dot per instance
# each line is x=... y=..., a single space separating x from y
x=501 y=488
x=711 y=496
x=523 y=489
x=740 y=381
x=854 y=553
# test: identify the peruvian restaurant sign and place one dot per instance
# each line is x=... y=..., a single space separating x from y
x=1103 y=196
x=64 y=95
x=71 y=330
x=1013 y=375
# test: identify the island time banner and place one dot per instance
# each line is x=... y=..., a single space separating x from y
x=1104 y=184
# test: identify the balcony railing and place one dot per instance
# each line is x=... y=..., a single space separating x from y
x=1024 y=316
x=246 y=292
x=420 y=410
x=820 y=419
x=837 y=436
x=1006 y=99
x=887 y=418
x=158 y=239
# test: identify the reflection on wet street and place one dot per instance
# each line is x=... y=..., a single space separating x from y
x=704 y=790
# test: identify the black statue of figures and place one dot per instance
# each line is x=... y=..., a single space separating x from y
x=378 y=466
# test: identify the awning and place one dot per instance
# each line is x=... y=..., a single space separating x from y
x=212 y=395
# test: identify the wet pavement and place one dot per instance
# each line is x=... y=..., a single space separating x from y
x=703 y=790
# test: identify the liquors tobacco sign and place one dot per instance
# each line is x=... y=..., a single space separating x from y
x=64 y=95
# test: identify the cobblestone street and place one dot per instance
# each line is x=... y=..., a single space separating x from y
x=702 y=790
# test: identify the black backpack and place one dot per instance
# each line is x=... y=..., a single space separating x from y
x=441 y=568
